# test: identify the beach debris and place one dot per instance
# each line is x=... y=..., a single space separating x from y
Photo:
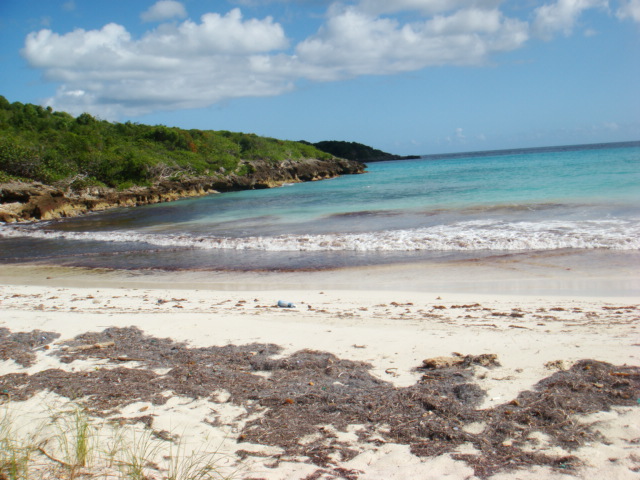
x=5 y=396
x=126 y=359
x=285 y=304
x=82 y=348
x=556 y=365
x=441 y=362
x=307 y=389
x=20 y=346
x=484 y=360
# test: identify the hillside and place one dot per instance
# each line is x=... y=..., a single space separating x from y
x=91 y=164
x=358 y=152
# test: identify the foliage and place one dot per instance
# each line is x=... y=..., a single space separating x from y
x=67 y=446
x=15 y=453
x=357 y=151
x=41 y=144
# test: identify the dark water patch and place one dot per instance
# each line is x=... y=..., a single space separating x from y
x=366 y=213
x=176 y=259
x=27 y=249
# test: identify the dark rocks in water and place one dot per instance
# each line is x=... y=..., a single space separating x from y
x=34 y=201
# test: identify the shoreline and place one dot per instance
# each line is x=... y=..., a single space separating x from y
x=562 y=273
x=32 y=201
x=391 y=318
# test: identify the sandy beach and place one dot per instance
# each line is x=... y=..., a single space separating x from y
x=336 y=386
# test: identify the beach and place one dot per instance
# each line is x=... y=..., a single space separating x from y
x=205 y=275
x=356 y=336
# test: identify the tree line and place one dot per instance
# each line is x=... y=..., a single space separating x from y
x=52 y=147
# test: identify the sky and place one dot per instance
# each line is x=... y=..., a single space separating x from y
x=404 y=76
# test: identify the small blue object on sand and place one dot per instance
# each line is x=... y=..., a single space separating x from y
x=283 y=304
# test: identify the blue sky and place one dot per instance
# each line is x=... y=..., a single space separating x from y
x=404 y=76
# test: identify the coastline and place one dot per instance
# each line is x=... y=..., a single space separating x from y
x=563 y=273
x=389 y=317
x=34 y=201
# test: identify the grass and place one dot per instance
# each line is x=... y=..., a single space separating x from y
x=198 y=464
x=138 y=455
x=70 y=445
x=16 y=453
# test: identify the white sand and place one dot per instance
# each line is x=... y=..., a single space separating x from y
x=393 y=330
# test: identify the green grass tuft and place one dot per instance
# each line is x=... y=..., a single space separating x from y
x=70 y=445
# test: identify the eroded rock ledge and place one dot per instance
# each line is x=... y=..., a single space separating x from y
x=35 y=201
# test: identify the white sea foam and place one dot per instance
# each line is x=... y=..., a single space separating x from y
x=462 y=236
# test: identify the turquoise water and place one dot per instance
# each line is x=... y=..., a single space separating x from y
x=511 y=201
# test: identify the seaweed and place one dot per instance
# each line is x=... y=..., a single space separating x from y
x=305 y=399
x=20 y=346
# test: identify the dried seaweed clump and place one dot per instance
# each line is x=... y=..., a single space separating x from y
x=306 y=399
x=20 y=347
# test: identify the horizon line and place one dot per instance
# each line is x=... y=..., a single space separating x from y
x=506 y=151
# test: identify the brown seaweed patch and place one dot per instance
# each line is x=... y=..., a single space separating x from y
x=21 y=346
x=310 y=396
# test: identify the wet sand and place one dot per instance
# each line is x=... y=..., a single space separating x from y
x=555 y=273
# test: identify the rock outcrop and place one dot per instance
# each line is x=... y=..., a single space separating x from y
x=35 y=201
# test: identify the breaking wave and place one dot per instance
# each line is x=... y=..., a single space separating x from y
x=462 y=236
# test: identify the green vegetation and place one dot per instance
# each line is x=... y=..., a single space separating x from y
x=70 y=445
x=357 y=151
x=53 y=147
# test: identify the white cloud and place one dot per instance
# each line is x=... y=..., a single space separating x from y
x=629 y=9
x=356 y=43
x=164 y=10
x=561 y=16
x=216 y=34
x=185 y=66
x=428 y=7
x=195 y=64
x=190 y=64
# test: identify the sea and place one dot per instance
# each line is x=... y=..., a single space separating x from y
x=437 y=208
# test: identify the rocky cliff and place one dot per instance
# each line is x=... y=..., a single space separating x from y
x=35 y=201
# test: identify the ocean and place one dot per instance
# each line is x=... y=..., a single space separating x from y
x=438 y=208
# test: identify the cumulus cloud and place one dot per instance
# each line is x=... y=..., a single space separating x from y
x=164 y=10
x=189 y=64
x=629 y=9
x=216 y=34
x=195 y=64
x=429 y=7
x=561 y=16
x=110 y=73
x=353 y=42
